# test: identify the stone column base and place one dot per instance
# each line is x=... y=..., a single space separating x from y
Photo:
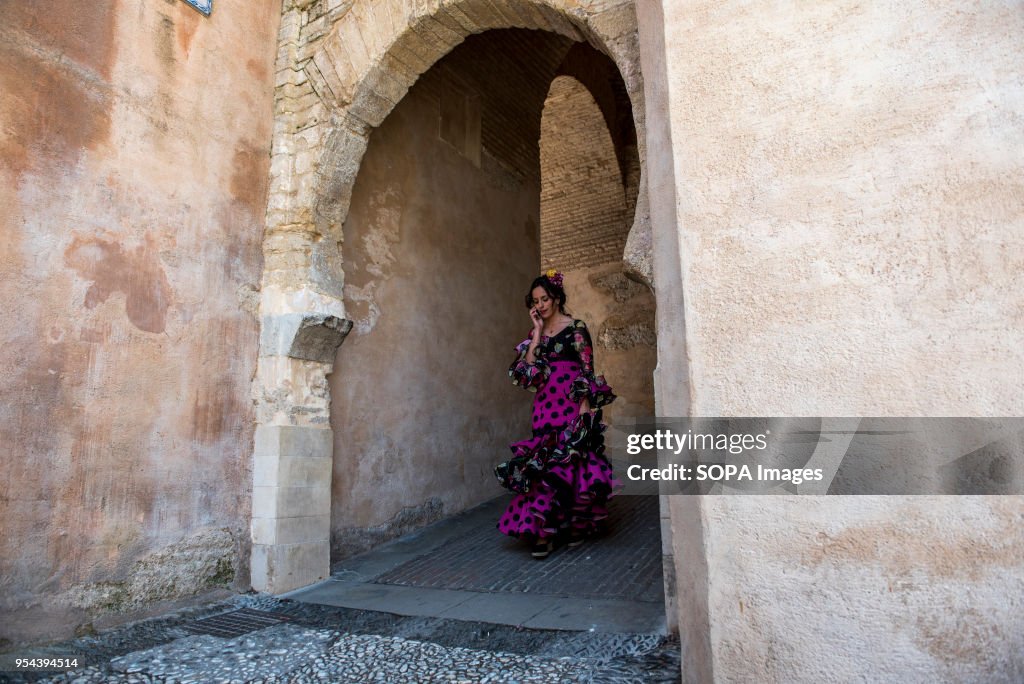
x=278 y=568
x=291 y=507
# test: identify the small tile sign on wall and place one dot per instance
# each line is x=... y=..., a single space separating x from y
x=204 y=6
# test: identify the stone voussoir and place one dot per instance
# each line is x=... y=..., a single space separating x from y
x=456 y=20
x=347 y=39
x=537 y=17
x=323 y=76
x=383 y=23
x=365 y=22
x=483 y=15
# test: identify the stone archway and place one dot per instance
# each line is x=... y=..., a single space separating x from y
x=588 y=191
x=341 y=70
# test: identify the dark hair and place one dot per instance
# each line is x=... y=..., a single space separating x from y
x=554 y=291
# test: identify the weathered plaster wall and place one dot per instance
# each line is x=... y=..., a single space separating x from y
x=620 y=315
x=867 y=588
x=441 y=242
x=134 y=140
x=848 y=197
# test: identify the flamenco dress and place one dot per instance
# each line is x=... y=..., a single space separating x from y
x=560 y=476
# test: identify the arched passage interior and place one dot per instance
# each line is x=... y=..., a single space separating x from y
x=443 y=233
x=341 y=71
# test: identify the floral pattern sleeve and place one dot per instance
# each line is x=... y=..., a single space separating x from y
x=530 y=376
x=588 y=385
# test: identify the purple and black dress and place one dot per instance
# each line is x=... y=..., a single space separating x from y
x=560 y=475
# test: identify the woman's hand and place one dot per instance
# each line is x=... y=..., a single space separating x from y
x=538 y=322
x=538 y=326
x=585 y=406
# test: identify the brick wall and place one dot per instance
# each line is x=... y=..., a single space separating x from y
x=583 y=206
x=508 y=72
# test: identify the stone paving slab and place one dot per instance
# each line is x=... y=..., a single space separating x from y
x=499 y=608
x=463 y=568
x=369 y=596
x=598 y=616
x=622 y=564
x=524 y=610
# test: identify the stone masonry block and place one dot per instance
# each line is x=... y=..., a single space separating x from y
x=399 y=11
x=423 y=42
x=298 y=530
x=480 y=12
x=402 y=51
x=482 y=16
x=291 y=25
x=346 y=51
x=529 y=10
x=561 y=23
x=503 y=16
x=336 y=13
x=348 y=42
x=384 y=83
x=314 y=29
x=311 y=337
x=279 y=568
x=448 y=37
x=365 y=22
x=290 y=441
x=371 y=107
x=534 y=16
x=290 y=471
x=398 y=71
x=323 y=76
x=291 y=502
x=516 y=10
x=428 y=7
x=383 y=22
x=615 y=22
x=450 y=20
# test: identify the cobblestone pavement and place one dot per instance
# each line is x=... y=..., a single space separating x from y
x=314 y=643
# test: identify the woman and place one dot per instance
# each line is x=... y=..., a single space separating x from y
x=560 y=475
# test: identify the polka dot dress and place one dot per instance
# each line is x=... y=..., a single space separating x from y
x=560 y=475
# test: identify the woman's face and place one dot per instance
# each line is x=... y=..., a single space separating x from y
x=544 y=303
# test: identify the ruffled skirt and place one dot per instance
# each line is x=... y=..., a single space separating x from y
x=562 y=481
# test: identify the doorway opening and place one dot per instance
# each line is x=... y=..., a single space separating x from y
x=513 y=153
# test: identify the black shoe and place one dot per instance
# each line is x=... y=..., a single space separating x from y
x=543 y=548
x=575 y=539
